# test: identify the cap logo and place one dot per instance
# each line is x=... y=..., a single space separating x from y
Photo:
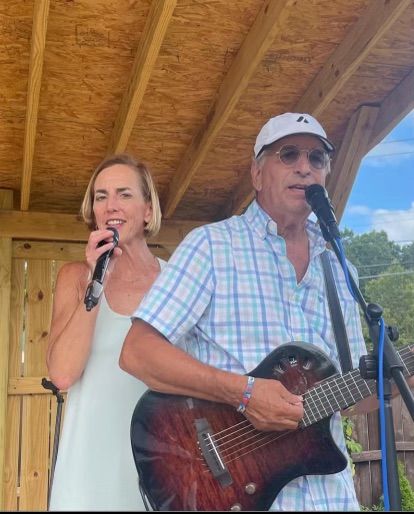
x=302 y=118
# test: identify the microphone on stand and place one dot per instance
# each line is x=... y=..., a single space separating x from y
x=317 y=197
x=95 y=287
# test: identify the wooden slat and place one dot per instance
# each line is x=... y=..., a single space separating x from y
x=48 y=250
x=264 y=29
x=65 y=251
x=39 y=310
x=370 y=455
x=362 y=479
x=35 y=453
x=42 y=225
x=12 y=464
x=67 y=227
x=354 y=48
x=393 y=109
x=11 y=468
x=147 y=53
x=353 y=148
x=375 y=466
x=6 y=201
x=40 y=16
x=36 y=408
x=408 y=435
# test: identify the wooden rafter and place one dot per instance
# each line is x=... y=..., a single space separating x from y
x=393 y=109
x=346 y=59
x=252 y=51
x=68 y=227
x=6 y=202
x=353 y=148
x=154 y=32
x=357 y=44
x=40 y=17
x=366 y=129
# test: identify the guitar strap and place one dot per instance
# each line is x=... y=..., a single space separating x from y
x=337 y=318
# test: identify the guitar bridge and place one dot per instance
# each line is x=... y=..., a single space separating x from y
x=211 y=453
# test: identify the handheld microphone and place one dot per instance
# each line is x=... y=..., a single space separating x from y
x=95 y=287
x=318 y=199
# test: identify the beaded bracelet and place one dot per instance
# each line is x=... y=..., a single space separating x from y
x=246 y=395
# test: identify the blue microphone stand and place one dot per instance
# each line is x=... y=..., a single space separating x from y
x=368 y=366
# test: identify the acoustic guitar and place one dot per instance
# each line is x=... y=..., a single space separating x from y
x=194 y=454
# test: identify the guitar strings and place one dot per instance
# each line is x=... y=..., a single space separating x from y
x=245 y=428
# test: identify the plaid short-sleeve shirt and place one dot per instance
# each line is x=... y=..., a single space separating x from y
x=229 y=296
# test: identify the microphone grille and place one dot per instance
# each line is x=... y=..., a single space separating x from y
x=313 y=191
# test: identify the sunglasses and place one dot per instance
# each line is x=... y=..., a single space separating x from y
x=290 y=154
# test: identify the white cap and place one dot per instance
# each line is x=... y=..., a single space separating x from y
x=287 y=124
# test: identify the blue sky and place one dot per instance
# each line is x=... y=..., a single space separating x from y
x=382 y=197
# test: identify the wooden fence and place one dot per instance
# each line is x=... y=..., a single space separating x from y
x=31 y=410
x=367 y=477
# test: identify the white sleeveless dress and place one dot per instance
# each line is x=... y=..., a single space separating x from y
x=95 y=469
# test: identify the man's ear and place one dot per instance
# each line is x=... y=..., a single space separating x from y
x=256 y=174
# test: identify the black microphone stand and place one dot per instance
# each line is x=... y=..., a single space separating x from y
x=393 y=368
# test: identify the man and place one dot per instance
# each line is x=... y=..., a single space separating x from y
x=235 y=290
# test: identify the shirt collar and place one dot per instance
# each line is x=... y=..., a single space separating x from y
x=264 y=225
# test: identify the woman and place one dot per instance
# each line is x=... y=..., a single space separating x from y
x=95 y=469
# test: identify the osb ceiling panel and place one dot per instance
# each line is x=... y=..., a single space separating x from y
x=185 y=85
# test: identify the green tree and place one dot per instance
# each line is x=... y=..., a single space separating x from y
x=371 y=253
x=394 y=292
x=407 y=256
x=385 y=278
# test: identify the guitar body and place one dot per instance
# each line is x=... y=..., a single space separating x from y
x=255 y=466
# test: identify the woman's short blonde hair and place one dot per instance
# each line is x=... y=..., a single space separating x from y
x=148 y=189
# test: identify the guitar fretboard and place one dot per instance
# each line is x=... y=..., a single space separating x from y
x=342 y=391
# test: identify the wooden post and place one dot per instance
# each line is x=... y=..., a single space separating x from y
x=6 y=202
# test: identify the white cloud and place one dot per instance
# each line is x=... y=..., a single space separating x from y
x=361 y=210
x=399 y=225
x=392 y=152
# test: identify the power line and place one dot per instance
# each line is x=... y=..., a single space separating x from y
x=387 y=154
x=395 y=141
x=387 y=274
x=383 y=264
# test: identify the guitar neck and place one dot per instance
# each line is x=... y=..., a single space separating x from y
x=341 y=391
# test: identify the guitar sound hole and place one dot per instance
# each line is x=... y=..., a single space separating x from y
x=307 y=363
x=280 y=367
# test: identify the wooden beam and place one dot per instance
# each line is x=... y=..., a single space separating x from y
x=267 y=24
x=67 y=227
x=393 y=109
x=40 y=16
x=357 y=44
x=6 y=202
x=26 y=385
x=154 y=32
x=346 y=164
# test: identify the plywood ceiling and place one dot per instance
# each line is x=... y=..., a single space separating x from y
x=185 y=85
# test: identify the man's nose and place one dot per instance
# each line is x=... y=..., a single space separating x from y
x=302 y=166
